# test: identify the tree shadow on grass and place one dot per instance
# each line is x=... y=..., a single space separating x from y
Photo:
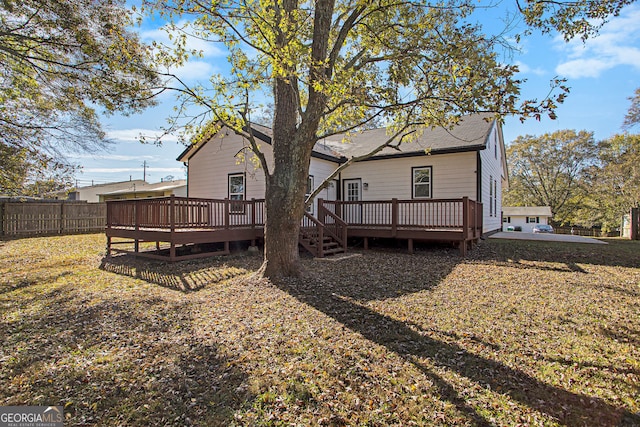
x=118 y=362
x=513 y=252
x=185 y=276
x=337 y=298
x=6 y=287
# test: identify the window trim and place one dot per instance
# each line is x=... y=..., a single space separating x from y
x=240 y=210
x=413 y=182
x=490 y=195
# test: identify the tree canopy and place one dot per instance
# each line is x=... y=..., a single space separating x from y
x=59 y=62
x=615 y=182
x=550 y=170
x=582 y=18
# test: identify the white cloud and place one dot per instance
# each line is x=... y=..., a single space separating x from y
x=525 y=69
x=133 y=135
x=616 y=45
x=132 y=170
x=584 y=67
x=161 y=35
x=195 y=70
x=118 y=157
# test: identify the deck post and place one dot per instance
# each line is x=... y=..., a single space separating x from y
x=321 y=214
x=366 y=243
x=227 y=208
x=320 y=245
x=465 y=225
x=253 y=214
x=410 y=248
x=394 y=217
x=465 y=218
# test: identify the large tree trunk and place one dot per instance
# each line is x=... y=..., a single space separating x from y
x=294 y=135
x=286 y=185
x=284 y=210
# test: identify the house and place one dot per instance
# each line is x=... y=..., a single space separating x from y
x=441 y=185
x=90 y=192
x=466 y=161
x=525 y=217
x=142 y=189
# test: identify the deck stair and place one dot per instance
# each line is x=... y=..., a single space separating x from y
x=320 y=239
x=310 y=240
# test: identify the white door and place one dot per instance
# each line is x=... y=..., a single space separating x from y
x=352 y=192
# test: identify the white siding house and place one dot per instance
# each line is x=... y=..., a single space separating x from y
x=466 y=161
x=525 y=217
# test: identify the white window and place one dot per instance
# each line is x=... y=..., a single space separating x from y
x=236 y=192
x=422 y=183
x=490 y=195
x=533 y=219
x=495 y=197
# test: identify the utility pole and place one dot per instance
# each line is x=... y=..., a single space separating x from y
x=144 y=170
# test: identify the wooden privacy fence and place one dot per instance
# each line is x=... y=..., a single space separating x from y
x=19 y=219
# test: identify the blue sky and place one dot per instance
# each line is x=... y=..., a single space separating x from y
x=602 y=74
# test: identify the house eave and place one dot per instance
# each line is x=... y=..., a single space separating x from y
x=452 y=150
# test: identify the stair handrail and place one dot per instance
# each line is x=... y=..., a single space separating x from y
x=340 y=223
x=320 y=226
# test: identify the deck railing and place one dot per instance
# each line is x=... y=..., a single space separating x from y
x=174 y=213
x=463 y=214
x=171 y=213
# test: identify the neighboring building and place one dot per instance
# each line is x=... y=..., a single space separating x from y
x=90 y=192
x=525 y=217
x=143 y=190
x=466 y=161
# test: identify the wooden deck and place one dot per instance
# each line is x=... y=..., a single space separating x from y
x=179 y=226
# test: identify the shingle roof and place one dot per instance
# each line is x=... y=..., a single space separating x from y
x=469 y=134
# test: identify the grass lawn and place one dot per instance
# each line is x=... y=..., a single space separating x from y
x=517 y=333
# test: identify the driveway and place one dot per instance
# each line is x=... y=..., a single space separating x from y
x=543 y=237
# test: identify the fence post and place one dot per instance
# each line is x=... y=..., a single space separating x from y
x=634 y=214
x=62 y=217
